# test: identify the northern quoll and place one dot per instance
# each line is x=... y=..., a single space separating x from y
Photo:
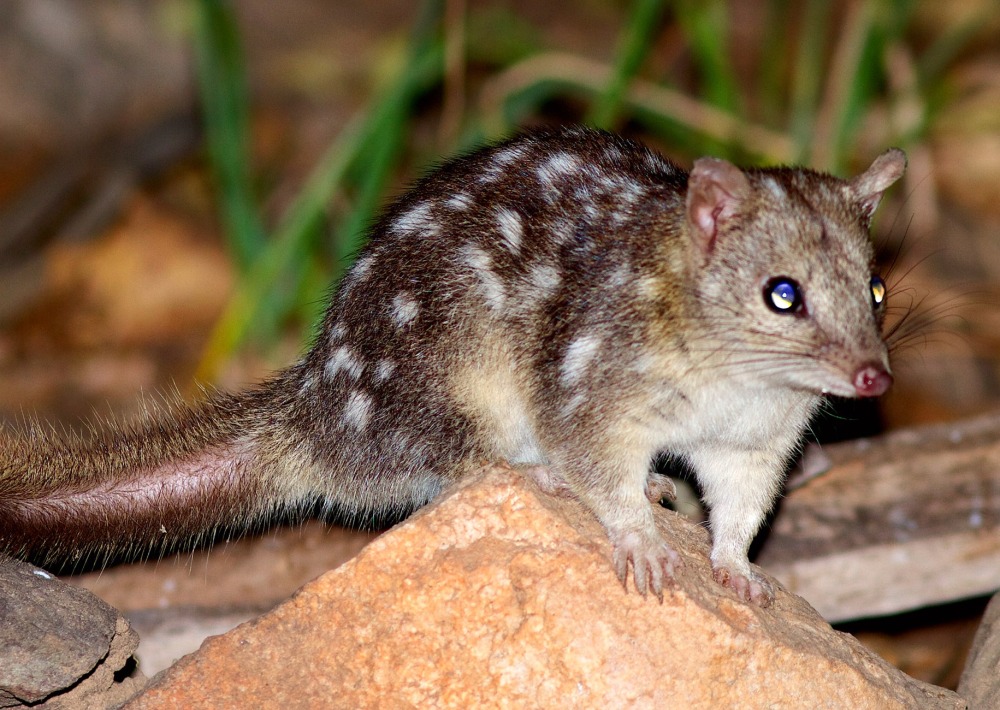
x=567 y=301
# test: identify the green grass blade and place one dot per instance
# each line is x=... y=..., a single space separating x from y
x=289 y=244
x=223 y=86
x=706 y=26
x=370 y=142
x=807 y=76
x=643 y=23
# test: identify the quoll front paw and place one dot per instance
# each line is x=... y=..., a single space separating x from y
x=653 y=561
x=749 y=586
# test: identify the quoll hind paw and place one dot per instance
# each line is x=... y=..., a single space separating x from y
x=750 y=586
x=546 y=478
x=660 y=487
x=654 y=563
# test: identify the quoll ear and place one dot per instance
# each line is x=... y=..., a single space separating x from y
x=867 y=188
x=716 y=189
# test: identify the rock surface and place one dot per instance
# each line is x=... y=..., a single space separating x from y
x=60 y=646
x=500 y=595
x=980 y=683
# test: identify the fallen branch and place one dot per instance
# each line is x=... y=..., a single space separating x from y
x=901 y=521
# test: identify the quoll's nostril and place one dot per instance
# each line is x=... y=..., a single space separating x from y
x=872 y=380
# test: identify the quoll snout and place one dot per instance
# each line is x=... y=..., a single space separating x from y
x=872 y=379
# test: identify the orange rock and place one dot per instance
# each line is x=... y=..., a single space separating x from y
x=502 y=596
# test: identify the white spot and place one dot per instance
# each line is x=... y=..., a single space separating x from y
x=510 y=228
x=608 y=184
x=619 y=217
x=416 y=218
x=578 y=357
x=647 y=287
x=558 y=166
x=545 y=279
x=361 y=268
x=358 y=410
x=775 y=188
x=476 y=258
x=621 y=276
x=343 y=359
x=384 y=370
x=630 y=191
x=955 y=436
x=502 y=160
x=42 y=573
x=644 y=363
x=508 y=155
x=459 y=202
x=401 y=442
x=585 y=192
x=337 y=332
x=562 y=229
x=404 y=309
x=975 y=519
x=490 y=285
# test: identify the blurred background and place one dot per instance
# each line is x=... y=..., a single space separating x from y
x=181 y=181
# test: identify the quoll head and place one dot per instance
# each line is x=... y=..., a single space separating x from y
x=783 y=273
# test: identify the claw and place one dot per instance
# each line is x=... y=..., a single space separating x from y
x=549 y=480
x=653 y=561
x=620 y=560
x=639 y=576
x=659 y=487
x=749 y=587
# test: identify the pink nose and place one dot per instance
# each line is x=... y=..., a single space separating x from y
x=872 y=380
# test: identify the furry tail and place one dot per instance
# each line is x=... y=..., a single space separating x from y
x=176 y=475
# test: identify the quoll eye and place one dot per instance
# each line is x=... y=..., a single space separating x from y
x=878 y=291
x=783 y=295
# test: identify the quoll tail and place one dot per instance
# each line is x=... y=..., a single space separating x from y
x=176 y=475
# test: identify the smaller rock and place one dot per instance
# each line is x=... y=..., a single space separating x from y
x=60 y=646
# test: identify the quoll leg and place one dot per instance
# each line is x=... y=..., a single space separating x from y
x=618 y=490
x=739 y=488
x=620 y=497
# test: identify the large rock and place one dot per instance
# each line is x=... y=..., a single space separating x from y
x=60 y=646
x=500 y=595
